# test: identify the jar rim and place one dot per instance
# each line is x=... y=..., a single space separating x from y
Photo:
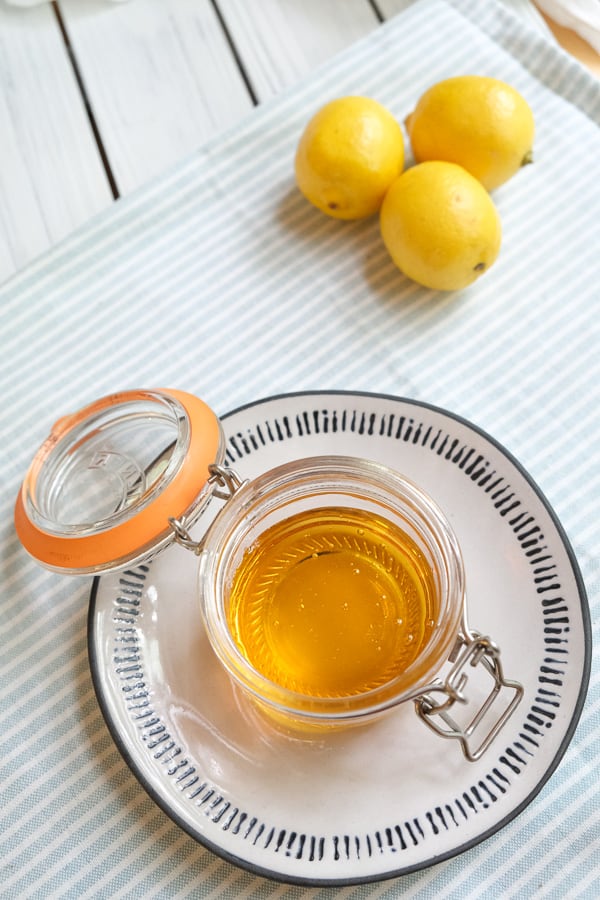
x=341 y=476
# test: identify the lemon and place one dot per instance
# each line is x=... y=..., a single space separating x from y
x=440 y=226
x=348 y=155
x=481 y=123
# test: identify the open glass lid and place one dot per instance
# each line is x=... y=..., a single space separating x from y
x=102 y=487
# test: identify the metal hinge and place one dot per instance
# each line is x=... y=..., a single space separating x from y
x=225 y=483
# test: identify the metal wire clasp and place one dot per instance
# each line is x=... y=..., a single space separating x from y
x=225 y=483
x=227 y=480
x=472 y=650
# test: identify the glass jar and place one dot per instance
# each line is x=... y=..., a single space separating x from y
x=332 y=589
x=406 y=521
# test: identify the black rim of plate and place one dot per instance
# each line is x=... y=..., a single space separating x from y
x=272 y=875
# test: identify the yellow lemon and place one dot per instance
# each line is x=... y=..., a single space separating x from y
x=440 y=226
x=349 y=154
x=481 y=123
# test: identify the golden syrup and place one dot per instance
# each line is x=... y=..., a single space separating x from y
x=332 y=602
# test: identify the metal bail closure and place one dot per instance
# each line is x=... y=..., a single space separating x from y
x=484 y=717
x=227 y=483
x=101 y=489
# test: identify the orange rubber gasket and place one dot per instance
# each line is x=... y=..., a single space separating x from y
x=97 y=551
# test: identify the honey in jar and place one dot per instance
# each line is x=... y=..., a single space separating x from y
x=331 y=602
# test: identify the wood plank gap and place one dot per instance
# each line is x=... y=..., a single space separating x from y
x=238 y=60
x=377 y=12
x=88 y=108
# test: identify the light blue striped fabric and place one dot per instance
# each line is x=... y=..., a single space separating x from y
x=219 y=279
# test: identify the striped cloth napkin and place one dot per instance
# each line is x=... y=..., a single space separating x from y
x=219 y=279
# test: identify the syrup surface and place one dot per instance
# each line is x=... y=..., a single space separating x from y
x=332 y=602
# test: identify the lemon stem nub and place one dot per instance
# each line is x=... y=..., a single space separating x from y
x=527 y=159
x=479 y=267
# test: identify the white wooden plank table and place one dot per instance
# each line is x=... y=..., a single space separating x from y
x=51 y=174
x=96 y=97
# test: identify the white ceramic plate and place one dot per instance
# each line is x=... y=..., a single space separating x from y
x=391 y=797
